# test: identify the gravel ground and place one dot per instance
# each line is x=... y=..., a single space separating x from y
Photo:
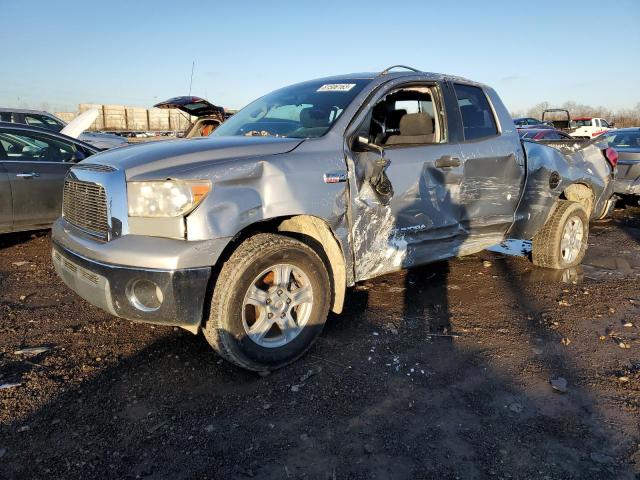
x=442 y=372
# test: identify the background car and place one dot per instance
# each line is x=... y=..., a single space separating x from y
x=36 y=118
x=526 y=121
x=209 y=116
x=626 y=142
x=33 y=164
x=543 y=134
x=590 y=127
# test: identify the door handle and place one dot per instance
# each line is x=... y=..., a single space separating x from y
x=27 y=175
x=447 y=161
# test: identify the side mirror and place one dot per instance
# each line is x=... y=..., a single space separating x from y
x=362 y=144
x=77 y=156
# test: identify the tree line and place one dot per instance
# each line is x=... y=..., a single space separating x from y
x=627 y=117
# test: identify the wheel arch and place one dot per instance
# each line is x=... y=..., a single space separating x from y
x=313 y=231
x=580 y=193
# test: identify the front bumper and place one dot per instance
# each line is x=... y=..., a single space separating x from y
x=109 y=287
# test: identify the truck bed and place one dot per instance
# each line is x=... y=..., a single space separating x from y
x=568 y=146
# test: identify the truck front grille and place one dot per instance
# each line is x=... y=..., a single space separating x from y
x=84 y=205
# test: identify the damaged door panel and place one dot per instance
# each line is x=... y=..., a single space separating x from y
x=494 y=171
x=417 y=222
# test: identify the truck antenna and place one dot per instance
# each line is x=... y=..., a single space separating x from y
x=193 y=64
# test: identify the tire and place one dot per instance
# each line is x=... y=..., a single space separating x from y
x=548 y=248
x=238 y=321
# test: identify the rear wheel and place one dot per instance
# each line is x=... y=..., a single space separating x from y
x=562 y=241
x=269 y=304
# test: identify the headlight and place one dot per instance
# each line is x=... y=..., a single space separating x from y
x=167 y=198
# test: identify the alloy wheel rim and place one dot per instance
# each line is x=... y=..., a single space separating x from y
x=277 y=305
x=572 y=236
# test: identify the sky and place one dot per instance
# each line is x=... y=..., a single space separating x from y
x=57 y=54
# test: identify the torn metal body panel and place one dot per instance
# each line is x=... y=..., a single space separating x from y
x=382 y=172
x=550 y=172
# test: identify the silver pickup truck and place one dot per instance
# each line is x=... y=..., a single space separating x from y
x=253 y=234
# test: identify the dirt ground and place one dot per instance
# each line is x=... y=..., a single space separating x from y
x=442 y=372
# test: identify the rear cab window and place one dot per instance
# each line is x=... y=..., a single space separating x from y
x=478 y=119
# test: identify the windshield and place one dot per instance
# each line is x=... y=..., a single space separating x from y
x=300 y=111
x=624 y=139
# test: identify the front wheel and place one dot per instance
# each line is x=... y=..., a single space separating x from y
x=270 y=303
x=562 y=241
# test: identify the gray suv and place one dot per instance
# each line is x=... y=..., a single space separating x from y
x=253 y=234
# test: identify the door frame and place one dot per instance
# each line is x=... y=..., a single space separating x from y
x=353 y=129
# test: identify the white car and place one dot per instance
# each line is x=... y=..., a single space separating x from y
x=589 y=127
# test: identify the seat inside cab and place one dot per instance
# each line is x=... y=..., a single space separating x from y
x=405 y=117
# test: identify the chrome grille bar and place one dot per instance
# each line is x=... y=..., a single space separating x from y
x=84 y=205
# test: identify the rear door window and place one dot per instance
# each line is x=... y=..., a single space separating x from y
x=43 y=121
x=477 y=116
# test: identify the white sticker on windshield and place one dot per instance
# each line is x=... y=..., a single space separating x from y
x=336 y=87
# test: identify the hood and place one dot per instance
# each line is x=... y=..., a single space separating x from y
x=165 y=158
x=79 y=124
x=103 y=141
x=196 y=106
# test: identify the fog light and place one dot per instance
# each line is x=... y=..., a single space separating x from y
x=145 y=295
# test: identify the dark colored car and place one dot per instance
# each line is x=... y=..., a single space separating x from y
x=543 y=134
x=36 y=118
x=626 y=141
x=526 y=121
x=33 y=165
